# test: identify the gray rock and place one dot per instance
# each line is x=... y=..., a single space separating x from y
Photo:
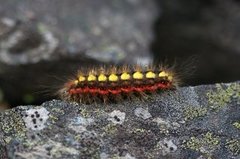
x=190 y=122
x=106 y=30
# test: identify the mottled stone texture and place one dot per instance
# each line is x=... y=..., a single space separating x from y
x=106 y=29
x=190 y=122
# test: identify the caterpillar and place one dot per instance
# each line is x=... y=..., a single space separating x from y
x=116 y=83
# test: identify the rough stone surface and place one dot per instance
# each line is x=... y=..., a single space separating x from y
x=190 y=122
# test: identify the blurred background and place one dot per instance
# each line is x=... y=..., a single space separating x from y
x=43 y=42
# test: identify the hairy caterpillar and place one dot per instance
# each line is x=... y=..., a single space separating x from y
x=115 y=83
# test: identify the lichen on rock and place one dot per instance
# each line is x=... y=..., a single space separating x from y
x=172 y=124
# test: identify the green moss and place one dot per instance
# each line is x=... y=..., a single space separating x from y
x=219 y=98
x=30 y=143
x=55 y=114
x=236 y=125
x=84 y=113
x=234 y=146
x=53 y=118
x=8 y=139
x=78 y=137
x=205 y=144
x=191 y=112
x=110 y=129
x=138 y=130
x=115 y=156
x=58 y=111
x=12 y=126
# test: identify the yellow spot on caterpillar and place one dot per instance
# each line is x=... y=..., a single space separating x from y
x=170 y=78
x=150 y=74
x=163 y=74
x=102 y=78
x=113 y=77
x=91 y=78
x=76 y=82
x=81 y=78
x=125 y=76
x=138 y=75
